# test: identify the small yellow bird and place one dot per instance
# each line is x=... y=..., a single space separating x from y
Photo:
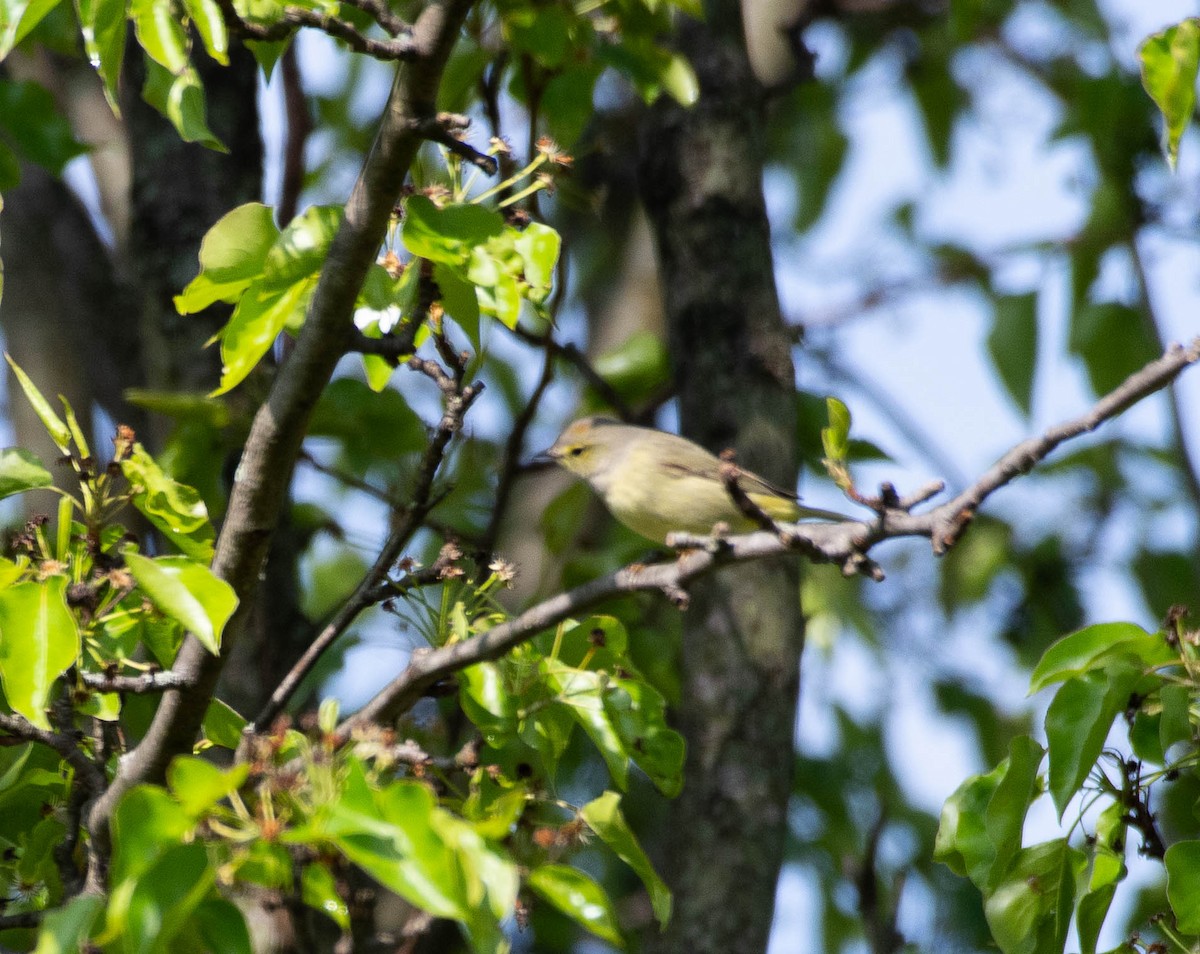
x=657 y=483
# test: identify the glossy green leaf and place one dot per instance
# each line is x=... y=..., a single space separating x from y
x=17 y=18
x=180 y=98
x=981 y=823
x=603 y=816
x=449 y=234
x=1183 y=887
x=210 y=24
x=1077 y=724
x=459 y=300
x=232 y=254
x=160 y=33
x=579 y=897
x=55 y=426
x=1013 y=345
x=21 y=470
x=1030 y=910
x=103 y=26
x=301 y=248
x=638 y=713
x=160 y=905
x=581 y=692
x=38 y=643
x=188 y=592
x=1093 y=647
x=258 y=320
x=66 y=929
x=1169 y=62
x=174 y=508
x=318 y=889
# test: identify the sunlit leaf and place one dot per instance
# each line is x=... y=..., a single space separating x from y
x=603 y=815
x=186 y=591
x=1169 y=63
x=580 y=898
x=38 y=642
x=21 y=470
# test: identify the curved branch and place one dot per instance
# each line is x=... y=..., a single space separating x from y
x=846 y=543
x=264 y=473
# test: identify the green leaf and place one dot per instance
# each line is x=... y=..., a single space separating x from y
x=638 y=712
x=1077 y=725
x=301 y=248
x=835 y=439
x=1108 y=868
x=1169 y=62
x=449 y=234
x=102 y=24
x=174 y=508
x=1183 y=887
x=21 y=470
x=233 y=254
x=581 y=691
x=180 y=97
x=199 y=785
x=222 y=927
x=160 y=33
x=1175 y=725
x=318 y=889
x=188 y=592
x=66 y=929
x=222 y=725
x=210 y=24
x=538 y=245
x=580 y=898
x=159 y=906
x=38 y=643
x=603 y=816
x=981 y=823
x=1013 y=345
x=17 y=18
x=257 y=321
x=1030 y=910
x=55 y=426
x=459 y=300
x=30 y=120
x=1093 y=647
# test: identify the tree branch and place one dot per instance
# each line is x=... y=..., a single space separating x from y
x=264 y=473
x=404 y=46
x=134 y=685
x=845 y=543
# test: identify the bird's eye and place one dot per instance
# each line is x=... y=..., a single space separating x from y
x=576 y=451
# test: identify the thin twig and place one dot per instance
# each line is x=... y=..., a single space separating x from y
x=381 y=14
x=375 y=584
x=845 y=543
x=401 y=47
x=730 y=474
x=570 y=353
x=299 y=126
x=444 y=129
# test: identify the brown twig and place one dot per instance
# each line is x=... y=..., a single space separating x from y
x=381 y=14
x=730 y=474
x=445 y=129
x=141 y=684
x=299 y=126
x=845 y=543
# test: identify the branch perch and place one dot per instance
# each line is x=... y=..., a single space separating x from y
x=846 y=543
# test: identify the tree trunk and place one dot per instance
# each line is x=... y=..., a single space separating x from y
x=701 y=181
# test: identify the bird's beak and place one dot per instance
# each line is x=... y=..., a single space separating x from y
x=544 y=458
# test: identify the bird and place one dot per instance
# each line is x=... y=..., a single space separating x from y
x=656 y=483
